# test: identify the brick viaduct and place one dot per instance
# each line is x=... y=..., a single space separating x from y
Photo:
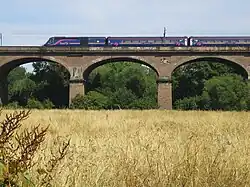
x=80 y=61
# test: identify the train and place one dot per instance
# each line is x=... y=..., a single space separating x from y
x=178 y=41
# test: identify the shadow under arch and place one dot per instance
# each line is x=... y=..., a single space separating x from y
x=115 y=60
x=236 y=66
x=16 y=62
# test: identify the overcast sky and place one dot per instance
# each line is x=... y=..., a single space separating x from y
x=32 y=22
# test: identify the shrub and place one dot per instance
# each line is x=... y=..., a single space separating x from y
x=47 y=104
x=13 y=105
x=92 y=101
x=188 y=103
x=17 y=151
x=34 y=103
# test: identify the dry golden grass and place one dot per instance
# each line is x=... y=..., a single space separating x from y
x=148 y=148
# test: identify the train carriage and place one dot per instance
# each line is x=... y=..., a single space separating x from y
x=147 y=41
x=219 y=41
x=76 y=41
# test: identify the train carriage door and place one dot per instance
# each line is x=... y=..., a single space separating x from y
x=84 y=41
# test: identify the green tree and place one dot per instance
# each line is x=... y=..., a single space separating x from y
x=53 y=83
x=22 y=90
x=189 y=79
x=127 y=84
x=20 y=86
x=226 y=93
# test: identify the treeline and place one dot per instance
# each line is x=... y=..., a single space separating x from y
x=125 y=85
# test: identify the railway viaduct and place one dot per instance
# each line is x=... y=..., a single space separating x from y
x=80 y=61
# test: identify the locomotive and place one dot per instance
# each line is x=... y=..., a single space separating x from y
x=180 y=41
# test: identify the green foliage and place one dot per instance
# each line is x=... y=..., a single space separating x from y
x=53 y=81
x=12 y=105
x=34 y=103
x=20 y=87
x=92 y=101
x=127 y=85
x=144 y=103
x=22 y=90
x=189 y=82
x=47 y=104
x=189 y=79
x=226 y=93
x=188 y=103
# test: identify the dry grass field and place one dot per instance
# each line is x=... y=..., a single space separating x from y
x=147 y=148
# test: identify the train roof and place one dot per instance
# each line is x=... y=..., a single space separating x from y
x=220 y=37
x=145 y=37
x=77 y=37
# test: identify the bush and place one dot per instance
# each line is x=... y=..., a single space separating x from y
x=144 y=103
x=18 y=150
x=34 y=103
x=188 y=103
x=92 y=101
x=13 y=105
x=47 y=104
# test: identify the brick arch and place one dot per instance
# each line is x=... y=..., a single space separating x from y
x=10 y=63
x=225 y=60
x=106 y=60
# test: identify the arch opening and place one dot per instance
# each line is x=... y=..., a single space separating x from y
x=202 y=83
x=123 y=83
x=115 y=60
x=44 y=85
x=237 y=67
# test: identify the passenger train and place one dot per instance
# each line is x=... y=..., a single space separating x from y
x=181 y=41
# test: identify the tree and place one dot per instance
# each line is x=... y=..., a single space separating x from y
x=20 y=86
x=22 y=90
x=189 y=79
x=127 y=84
x=226 y=93
x=53 y=83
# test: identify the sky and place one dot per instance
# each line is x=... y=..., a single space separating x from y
x=32 y=22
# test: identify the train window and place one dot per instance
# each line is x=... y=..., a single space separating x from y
x=51 y=40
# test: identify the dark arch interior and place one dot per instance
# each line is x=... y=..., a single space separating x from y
x=238 y=68
x=8 y=67
x=114 y=60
